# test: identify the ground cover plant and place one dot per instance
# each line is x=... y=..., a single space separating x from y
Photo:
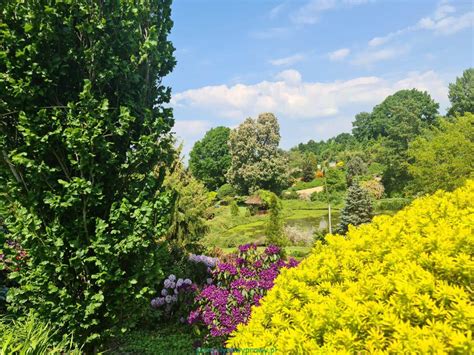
x=399 y=284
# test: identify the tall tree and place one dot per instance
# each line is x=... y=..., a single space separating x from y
x=256 y=161
x=442 y=157
x=461 y=94
x=210 y=159
x=396 y=122
x=357 y=209
x=82 y=127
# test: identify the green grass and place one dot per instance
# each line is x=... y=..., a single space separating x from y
x=170 y=339
x=301 y=185
x=227 y=232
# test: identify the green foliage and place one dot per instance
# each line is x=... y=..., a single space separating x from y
x=330 y=149
x=309 y=166
x=83 y=125
x=166 y=340
x=442 y=158
x=461 y=94
x=335 y=180
x=289 y=195
x=209 y=159
x=234 y=209
x=334 y=198
x=190 y=208
x=357 y=209
x=395 y=123
x=392 y=204
x=224 y=191
x=257 y=162
x=32 y=336
x=302 y=185
x=274 y=230
x=354 y=168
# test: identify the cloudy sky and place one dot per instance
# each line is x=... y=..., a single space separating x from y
x=314 y=63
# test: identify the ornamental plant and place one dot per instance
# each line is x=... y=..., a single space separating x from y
x=399 y=285
x=236 y=287
x=83 y=124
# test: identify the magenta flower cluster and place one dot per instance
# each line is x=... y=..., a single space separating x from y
x=236 y=287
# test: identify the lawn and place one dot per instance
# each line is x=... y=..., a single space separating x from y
x=227 y=231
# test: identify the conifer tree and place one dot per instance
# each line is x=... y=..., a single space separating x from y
x=357 y=210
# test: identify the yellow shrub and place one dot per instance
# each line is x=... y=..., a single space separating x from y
x=400 y=284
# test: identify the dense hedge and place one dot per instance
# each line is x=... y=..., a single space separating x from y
x=400 y=284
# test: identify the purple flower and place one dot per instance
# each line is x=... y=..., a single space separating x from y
x=164 y=292
x=174 y=298
x=176 y=291
x=172 y=284
x=226 y=267
x=167 y=283
x=209 y=281
x=188 y=282
x=258 y=264
x=272 y=250
x=193 y=316
x=179 y=283
x=157 y=302
x=292 y=262
x=168 y=299
x=172 y=277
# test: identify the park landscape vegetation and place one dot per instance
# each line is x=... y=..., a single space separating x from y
x=109 y=242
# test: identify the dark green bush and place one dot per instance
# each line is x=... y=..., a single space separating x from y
x=225 y=191
x=83 y=126
x=392 y=204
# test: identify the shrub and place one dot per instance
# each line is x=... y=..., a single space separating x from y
x=86 y=124
x=234 y=209
x=274 y=230
x=225 y=191
x=392 y=204
x=401 y=284
x=289 y=195
x=374 y=188
x=357 y=209
x=32 y=336
x=236 y=287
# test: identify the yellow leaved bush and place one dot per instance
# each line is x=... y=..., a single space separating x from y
x=400 y=284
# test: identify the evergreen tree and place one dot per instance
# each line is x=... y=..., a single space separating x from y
x=357 y=209
x=274 y=230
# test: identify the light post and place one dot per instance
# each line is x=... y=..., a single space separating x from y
x=327 y=198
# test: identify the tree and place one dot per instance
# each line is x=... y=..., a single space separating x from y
x=398 y=120
x=357 y=209
x=82 y=127
x=275 y=233
x=190 y=208
x=442 y=157
x=362 y=127
x=309 y=166
x=355 y=167
x=209 y=159
x=256 y=160
x=461 y=94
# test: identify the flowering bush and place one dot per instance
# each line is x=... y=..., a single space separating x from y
x=175 y=297
x=236 y=287
x=400 y=284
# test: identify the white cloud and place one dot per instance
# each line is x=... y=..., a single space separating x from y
x=310 y=13
x=289 y=97
x=441 y=22
x=370 y=57
x=339 y=54
x=290 y=60
x=272 y=33
x=275 y=11
x=188 y=129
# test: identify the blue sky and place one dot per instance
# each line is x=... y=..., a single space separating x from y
x=314 y=63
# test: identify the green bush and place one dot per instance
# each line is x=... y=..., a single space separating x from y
x=86 y=124
x=289 y=195
x=225 y=191
x=32 y=336
x=392 y=204
x=301 y=185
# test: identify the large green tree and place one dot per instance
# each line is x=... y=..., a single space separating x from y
x=392 y=125
x=461 y=94
x=442 y=157
x=256 y=161
x=209 y=159
x=82 y=127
